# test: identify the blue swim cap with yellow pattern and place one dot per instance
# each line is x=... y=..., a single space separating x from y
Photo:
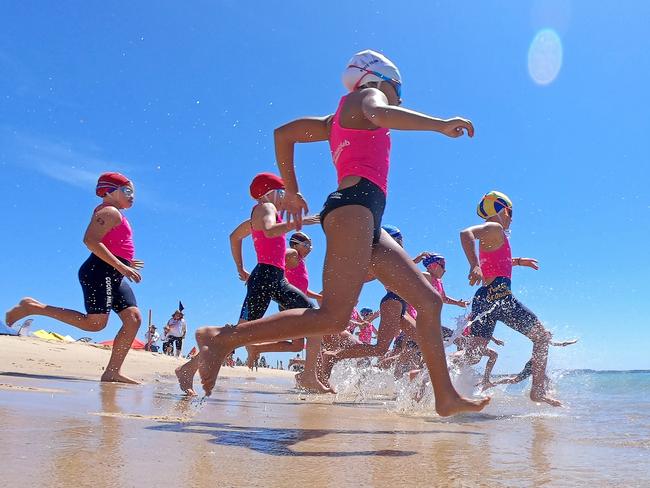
x=492 y=203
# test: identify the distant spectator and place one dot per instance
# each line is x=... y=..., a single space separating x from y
x=177 y=330
x=167 y=346
x=262 y=362
x=152 y=337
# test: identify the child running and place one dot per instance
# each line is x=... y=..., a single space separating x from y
x=494 y=301
x=359 y=137
x=393 y=311
x=110 y=240
x=527 y=371
x=267 y=281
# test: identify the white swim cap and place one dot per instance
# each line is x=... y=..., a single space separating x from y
x=360 y=67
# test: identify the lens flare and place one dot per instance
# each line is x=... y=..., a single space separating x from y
x=545 y=57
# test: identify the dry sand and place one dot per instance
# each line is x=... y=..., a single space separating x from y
x=30 y=355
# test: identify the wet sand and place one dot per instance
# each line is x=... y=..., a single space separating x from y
x=67 y=430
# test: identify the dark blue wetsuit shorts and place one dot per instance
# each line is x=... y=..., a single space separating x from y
x=495 y=302
x=104 y=287
x=268 y=283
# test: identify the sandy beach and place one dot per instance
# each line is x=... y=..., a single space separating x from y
x=61 y=427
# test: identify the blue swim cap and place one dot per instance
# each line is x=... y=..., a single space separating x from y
x=434 y=259
x=393 y=231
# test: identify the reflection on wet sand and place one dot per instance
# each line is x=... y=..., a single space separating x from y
x=254 y=434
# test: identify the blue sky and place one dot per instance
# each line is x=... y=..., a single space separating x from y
x=184 y=99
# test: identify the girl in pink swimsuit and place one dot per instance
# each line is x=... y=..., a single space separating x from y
x=110 y=240
x=359 y=137
x=494 y=301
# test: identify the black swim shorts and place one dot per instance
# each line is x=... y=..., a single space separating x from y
x=364 y=193
x=268 y=283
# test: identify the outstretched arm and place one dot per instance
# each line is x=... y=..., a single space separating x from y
x=453 y=301
x=528 y=262
x=377 y=110
x=242 y=231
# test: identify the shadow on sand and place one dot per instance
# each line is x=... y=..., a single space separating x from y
x=279 y=441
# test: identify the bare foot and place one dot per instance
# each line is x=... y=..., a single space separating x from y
x=457 y=404
x=24 y=308
x=253 y=355
x=542 y=398
x=213 y=350
x=116 y=377
x=185 y=375
x=311 y=384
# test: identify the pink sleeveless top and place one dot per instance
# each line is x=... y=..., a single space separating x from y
x=498 y=262
x=437 y=284
x=119 y=240
x=360 y=152
x=270 y=250
x=298 y=276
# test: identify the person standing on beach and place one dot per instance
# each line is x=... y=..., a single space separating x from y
x=110 y=240
x=267 y=282
x=494 y=301
x=177 y=329
x=359 y=137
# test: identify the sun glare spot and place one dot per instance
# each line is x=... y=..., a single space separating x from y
x=545 y=57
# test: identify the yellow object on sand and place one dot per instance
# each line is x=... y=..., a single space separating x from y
x=50 y=336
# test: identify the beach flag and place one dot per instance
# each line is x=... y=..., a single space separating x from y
x=180 y=306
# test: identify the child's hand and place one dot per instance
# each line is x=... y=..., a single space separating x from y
x=462 y=303
x=457 y=126
x=243 y=274
x=498 y=342
x=475 y=276
x=131 y=274
x=295 y=207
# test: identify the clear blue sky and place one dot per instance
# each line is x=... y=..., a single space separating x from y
x=183 y=98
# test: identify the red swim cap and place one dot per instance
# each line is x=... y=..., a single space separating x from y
x=264 y=183
x=108 y=182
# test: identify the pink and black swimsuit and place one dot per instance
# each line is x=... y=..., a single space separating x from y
x=495 y=302
x=104 y=288
x=267 y=281
x=363 y=153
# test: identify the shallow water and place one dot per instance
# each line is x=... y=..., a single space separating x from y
x=62 y=432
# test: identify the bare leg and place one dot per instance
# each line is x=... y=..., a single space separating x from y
x=349 y=246
x=492 y=359
x=541 y=338
x=131 y=320
x=305 y=379
x=395 y=269
x=28 y=306
x=389 y=327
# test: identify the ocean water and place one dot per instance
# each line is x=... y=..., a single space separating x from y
x=67 y=432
